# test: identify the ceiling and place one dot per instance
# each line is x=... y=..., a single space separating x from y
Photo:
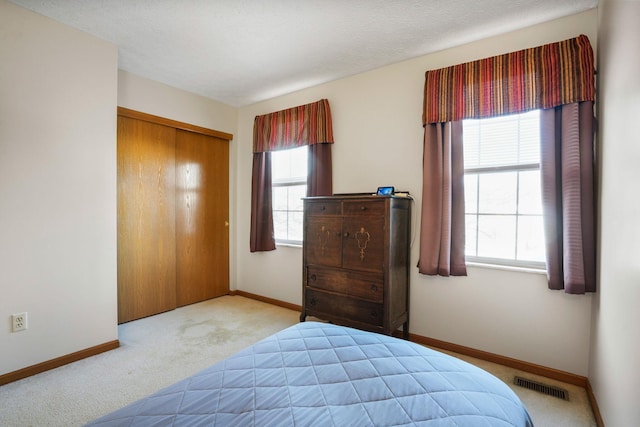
x=243 y=51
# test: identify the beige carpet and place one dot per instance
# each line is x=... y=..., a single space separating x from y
x=160 y=350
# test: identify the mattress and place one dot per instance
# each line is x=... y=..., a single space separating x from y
x=327 y=375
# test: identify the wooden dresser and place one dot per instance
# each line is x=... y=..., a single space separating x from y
x=356 y=261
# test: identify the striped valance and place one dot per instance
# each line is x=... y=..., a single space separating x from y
x=303 y=125
x=540 y=77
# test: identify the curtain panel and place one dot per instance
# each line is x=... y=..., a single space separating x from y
x=320 y=171
x=537 y=78
x=567 y=165
x=261 y=237
x=442 y=230
x=308 y=124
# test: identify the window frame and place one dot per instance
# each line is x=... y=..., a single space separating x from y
x=503 y=262
x=288 y=182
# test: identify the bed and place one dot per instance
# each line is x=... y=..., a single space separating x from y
x=327 y=375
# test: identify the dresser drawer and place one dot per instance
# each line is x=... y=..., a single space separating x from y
x=363 y=207
x=322 y=207
x=343 y=307
x=354 y=283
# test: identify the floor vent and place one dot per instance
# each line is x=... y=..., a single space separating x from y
x=549 y=390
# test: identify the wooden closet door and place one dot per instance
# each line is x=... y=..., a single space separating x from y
x=146 y=219
x=202 y=215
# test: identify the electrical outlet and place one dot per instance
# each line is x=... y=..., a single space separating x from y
x=19 y=322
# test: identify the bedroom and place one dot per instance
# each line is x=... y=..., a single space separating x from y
x=591 y=336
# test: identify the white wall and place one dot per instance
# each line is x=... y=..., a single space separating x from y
x=615 y=368
x=151 y=97
x=57 y=188
x=378 y=133
x=159 y=99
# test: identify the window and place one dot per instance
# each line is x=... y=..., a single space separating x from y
x=289 y=181
x=503 y=206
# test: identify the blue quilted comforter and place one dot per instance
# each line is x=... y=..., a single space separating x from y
x=322 y=374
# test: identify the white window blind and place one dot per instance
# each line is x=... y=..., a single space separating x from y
x=503 y=208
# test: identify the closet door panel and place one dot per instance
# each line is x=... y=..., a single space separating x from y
x=146 y=219
x=202 y=215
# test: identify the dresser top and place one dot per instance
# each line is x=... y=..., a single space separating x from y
x=371 y=196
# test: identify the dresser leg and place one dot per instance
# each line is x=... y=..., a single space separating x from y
x=303 y=316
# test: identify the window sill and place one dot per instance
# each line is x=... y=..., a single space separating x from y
x=508 y=268
x=289 y=244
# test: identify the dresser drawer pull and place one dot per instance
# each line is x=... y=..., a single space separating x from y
x=346 y=234
x=312 y=302
x=324 y=208
x=374 y=288
x=374 y=314
x=363 y=208
x=313 y=277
